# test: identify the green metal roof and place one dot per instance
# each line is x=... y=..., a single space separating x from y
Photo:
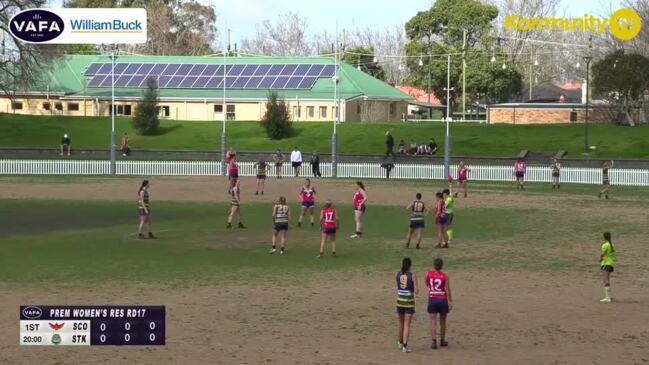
x=67 y=77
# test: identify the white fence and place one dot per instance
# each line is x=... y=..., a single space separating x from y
x=577 y=175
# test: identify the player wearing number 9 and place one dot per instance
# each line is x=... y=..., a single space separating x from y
x=329 y=223
x=439 y=301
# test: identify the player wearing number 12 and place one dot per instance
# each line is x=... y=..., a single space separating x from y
x=329 y=223
x=439 y=301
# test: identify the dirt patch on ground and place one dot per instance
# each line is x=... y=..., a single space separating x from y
x=499 y=318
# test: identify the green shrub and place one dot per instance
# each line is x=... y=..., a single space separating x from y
x=276 y=121
x=146 y=121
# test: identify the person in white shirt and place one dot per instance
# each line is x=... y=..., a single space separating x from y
x=296 y=161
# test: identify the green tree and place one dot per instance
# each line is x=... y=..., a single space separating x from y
x=87 y=49
x=623 y=79
x=276 y=120
x=439 y=31
x=364 y=57
x=146 y=121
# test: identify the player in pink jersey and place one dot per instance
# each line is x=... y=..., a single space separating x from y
x=360 y=198
x=307 y=197
x=520 y=168
x=439 y=301
x=441 y=220
x=329 y=223
x=462 y=178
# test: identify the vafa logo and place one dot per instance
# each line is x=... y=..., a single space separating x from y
x=36 y=25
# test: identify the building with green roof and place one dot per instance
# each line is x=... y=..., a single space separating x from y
x=194 y=88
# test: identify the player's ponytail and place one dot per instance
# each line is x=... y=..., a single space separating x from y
x=360 y=184
x=405 y=265
x=607 y=237
x=144 y=183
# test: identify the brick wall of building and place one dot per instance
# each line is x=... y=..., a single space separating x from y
x=526 y=115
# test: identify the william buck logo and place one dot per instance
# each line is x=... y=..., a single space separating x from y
x=624 y=24
x=36 y=26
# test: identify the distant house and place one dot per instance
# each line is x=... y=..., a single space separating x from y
x=194 y=88
x=423 y=103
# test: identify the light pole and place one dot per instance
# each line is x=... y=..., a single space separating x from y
x=113 y=161
x=224 y=139
x=587 y=59
x=447 y=140
x=334 y=136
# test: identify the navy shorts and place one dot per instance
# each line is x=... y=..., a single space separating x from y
x=402 y=310
x=520 y=175
x=449 y=218
x=308 y=204
x=436 y=306
x=555 y=174
x=414 y=224
x=144 y=212
x=282 y=226
x=296 y=164
x=608 y=268
x=442 y=219
x=462 y=181
x=234 y=175
x=261 y=177
x=361 y=208
x=329 y=230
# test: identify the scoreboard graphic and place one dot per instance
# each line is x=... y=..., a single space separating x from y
x=121 y=325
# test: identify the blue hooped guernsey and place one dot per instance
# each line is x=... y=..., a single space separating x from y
x=281 y=214
x=417 y=211
x=405 y=290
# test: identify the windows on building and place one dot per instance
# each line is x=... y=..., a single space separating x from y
x=47 y=106
x=163 y=111
x=323 y=112
x=58 y=107
x=310 y=111
x=73 y=107
x=297 y=112
x=392 y=109
x=230 y=115
x=17 y=105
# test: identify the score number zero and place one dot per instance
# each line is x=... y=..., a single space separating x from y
x=127 y=327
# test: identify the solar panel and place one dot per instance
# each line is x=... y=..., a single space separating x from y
x=266 y=82
x=145 y=69
x=120 y=67
x=307 y=83
x=280 y=82
x=201 y=82
x=171 y=69
x=175 y=81
x=315 y=70
x=229 y=81
x=92 y=69
x=96 y=80
x=188 y=82
x=105 y=69
x=327 y=71
x=107 y=81
x=132 y=68
x=135 y=81
x=254 y=82
x=163 y=80
x=275 y=70
x=158 y=69
x=184 y=69
x=215 y=82
x=241 y=82
x=302 y=70
x=249 y=70
x=197 y=70
x=293 y=82
x=235 y=70
x=262 y=70
x=288 y=70
x=209 y=70
x=122 y=80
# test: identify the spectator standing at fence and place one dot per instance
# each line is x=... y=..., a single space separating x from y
x=520 y=168
x=262 y=168
x=66 y=144
x=402 y=147
x=556 y=172
x=432 y=146
x=278 y=158
x=388 y=165
x=606 y=181
x=296 y=161
x=389 y=143
x=126 y=145
x=315 y=164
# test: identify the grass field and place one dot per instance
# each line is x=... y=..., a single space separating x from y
x=524 y=267
x=468 y=140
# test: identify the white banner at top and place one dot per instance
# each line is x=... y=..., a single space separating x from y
x=80 y=26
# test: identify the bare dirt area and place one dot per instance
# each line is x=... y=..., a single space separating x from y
x=500 y=316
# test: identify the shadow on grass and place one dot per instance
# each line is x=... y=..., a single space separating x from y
x=165 y=130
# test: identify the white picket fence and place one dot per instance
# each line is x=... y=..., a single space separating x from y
x=576 y=175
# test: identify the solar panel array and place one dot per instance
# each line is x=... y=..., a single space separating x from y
x=198 y=76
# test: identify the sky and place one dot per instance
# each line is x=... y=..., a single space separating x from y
x=243 y=15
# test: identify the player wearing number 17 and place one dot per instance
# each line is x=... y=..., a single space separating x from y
x=329 y=223
x=439 y=301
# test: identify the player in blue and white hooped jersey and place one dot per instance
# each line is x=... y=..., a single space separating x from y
x=417 y=211
x=144 y=210
x=281 y=217
x=407 y=288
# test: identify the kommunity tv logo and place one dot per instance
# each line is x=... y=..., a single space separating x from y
x=625 y=24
